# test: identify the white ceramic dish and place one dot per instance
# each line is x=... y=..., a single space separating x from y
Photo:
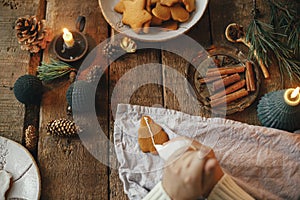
x=15 y=159
x=156 y=35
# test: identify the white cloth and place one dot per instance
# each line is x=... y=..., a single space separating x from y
x=265 y=162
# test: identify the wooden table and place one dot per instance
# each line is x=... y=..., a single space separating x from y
x=68 y=170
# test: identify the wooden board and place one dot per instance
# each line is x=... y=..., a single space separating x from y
x=67 y=168
x=14 y=63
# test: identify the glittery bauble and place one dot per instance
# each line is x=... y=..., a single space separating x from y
x=272 y=111
x=80 y=96
x=28 y=89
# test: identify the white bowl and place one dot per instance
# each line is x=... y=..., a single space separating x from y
x=155 y=35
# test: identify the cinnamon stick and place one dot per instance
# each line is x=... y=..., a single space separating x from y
x=211 y=79
x=250 y=77
x=229 y=98
x=229 y=90
x=225 y=70
x=222 y=68
x=226 y=81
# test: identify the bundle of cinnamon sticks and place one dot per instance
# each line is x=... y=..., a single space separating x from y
x=227 y=83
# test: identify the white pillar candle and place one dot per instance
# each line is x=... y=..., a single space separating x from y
x=68 y=38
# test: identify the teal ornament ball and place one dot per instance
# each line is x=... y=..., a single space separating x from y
x=28 y=89
x=273 y=112
x=80 y=96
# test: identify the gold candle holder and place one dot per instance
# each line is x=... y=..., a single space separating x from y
x=292 y=97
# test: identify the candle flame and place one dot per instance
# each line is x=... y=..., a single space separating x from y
x=66 y=31
x=295 y=93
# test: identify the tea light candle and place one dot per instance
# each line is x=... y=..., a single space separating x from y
x=68 y=38
x=292 y=96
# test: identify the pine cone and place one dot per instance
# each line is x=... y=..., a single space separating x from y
x=31 y=33
x=112 y=51
x=62 y=127
x=30 y=138
x=94 y=74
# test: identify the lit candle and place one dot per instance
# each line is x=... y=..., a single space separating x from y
x=292 y=96
x=68 y=38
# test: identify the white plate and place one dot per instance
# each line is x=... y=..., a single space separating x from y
x=115 y=20
x=16 y=160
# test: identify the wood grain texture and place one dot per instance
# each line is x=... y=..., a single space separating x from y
x=179 y=96
x=68 y=169
x=147 y=95
x=14 y=63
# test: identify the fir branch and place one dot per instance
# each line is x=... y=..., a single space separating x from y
x=55 y=69
x=286 y=19
x=265 y=39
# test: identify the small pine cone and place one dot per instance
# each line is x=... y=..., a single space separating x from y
x=94 y=74
x=30 y=138
x=62 y=127
x=112 y=51
x=32 y=33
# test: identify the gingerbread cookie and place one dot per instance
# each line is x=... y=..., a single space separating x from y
x=168 y=3
x=119 y=7
x=178 y=13
x=156 y=21
x=162 y=12
x=170 y=25
x=146 y=27
x=189 y=5
x=144 y=135
x=135 y=14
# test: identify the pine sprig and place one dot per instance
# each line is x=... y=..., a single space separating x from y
x=286 y=19
x=55 y=69
x=265 y=39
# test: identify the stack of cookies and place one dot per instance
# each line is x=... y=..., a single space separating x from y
x=141 y=14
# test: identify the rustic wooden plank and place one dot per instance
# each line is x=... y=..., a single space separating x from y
x=14 y=63
x=177 y=94
x=68 y=169
x=226 y=12
x=147 y=95
x=200 y=33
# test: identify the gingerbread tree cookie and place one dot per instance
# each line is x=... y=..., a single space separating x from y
x=145 y=136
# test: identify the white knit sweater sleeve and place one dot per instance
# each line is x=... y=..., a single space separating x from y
x=157 y=193
x=225 y=189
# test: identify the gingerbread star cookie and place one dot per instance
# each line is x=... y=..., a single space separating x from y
x=135 y=14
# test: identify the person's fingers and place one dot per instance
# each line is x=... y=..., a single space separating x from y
x=210 y=166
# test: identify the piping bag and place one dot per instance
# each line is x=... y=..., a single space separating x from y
x=166 y=151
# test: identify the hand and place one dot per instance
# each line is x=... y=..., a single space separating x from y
x=193 y=174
